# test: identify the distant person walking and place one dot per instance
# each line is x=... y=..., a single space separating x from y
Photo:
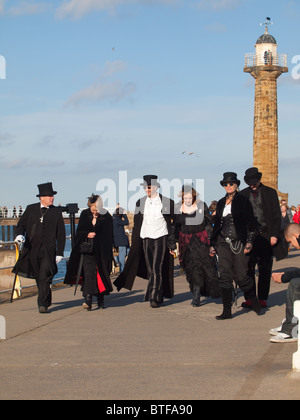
x=121 y=241
x=296 y=217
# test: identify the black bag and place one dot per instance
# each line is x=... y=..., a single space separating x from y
x=86 y=247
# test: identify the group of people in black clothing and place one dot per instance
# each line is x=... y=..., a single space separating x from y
x=245 y=232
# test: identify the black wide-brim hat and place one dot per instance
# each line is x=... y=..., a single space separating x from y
x=150 y=180
x=46 y=190
x=252 y=176
x=230 y=177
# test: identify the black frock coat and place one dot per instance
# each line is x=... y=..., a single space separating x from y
x=51 y=233
x=102 y=245
x=272 y=216
x=135 y=265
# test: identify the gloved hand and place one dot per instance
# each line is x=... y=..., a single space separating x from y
x=20 y=238
x=58 y=259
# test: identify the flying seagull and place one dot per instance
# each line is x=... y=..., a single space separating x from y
x=189 y=153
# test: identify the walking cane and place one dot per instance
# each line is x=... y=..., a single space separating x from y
x=20 y=247
x=79 y=272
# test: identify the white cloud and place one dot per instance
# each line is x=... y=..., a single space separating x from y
x=78 y=8
x=99 y=92
x=105 y=89
x=25 y=163
x=25 y=7
x=2 y=4
x=219 y=4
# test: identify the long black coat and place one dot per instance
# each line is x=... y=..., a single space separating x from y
x=51 y=233
x=272 y=216
x=135 y=265
x=102 y=245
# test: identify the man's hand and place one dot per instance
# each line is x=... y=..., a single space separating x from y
x=277 y=277
x=212 y=251
x=273 y=240
x=248 y=248
x=58 y=259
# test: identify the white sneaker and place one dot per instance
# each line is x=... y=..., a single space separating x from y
x=283 y=338
x=275 y=331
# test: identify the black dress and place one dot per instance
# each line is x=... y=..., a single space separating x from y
x=193 y=232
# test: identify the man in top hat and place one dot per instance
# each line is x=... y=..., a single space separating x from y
x=267 y=212
x=42 y=230
x=152 y=239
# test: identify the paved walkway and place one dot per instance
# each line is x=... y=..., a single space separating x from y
x=130 y=351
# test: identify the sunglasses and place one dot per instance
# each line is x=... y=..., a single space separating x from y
x=228 y=184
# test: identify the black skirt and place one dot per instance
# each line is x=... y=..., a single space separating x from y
x=90 y=283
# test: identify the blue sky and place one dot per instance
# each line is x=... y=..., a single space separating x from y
x=95 y=87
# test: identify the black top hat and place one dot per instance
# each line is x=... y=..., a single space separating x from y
x=150 y=180
x=230 y=177
x=252 y=176
x=46 y=190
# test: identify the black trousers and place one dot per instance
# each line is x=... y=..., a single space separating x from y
x=154 y=251
x=44 y=279
x=233 y=267
x=261 y=255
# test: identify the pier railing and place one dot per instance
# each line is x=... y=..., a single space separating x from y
x=254 y=60
x=18 y=286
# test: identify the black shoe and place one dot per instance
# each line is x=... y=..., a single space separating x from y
x=154 y=304
x=88 y=302
x=196 y=298
x=227 y=303
x=224 y=315
x=43 y=310
x=100 y=301
x=256 y=306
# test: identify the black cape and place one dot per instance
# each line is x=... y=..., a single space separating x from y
x=102 y=245
x=135 y=264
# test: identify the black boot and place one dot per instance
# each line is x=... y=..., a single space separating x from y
x=227 y=303
x=255 y=304
x=100 y=300
x=196 y=297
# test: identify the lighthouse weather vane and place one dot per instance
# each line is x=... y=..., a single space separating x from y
x=267 y=22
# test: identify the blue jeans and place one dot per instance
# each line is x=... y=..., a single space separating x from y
x=293 y=293
x=123 y=253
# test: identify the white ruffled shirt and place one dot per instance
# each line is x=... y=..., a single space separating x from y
x=154 y=225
